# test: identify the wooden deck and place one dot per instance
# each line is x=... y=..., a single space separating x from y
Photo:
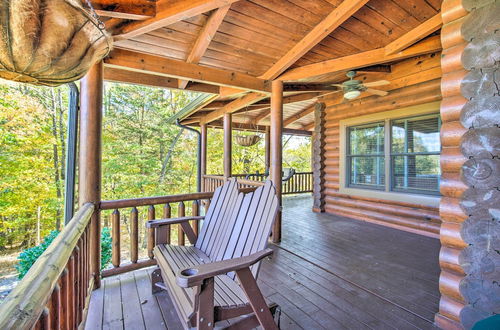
x=328 y=273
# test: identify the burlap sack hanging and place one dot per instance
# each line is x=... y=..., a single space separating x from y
x=49 y=42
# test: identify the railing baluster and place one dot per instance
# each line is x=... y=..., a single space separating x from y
x=86 y=259
x=163 y=232
x=207 y=205
x=115 y=238
x=180 y=233
x=151 y=233
x=195 y=212
x=83 y=287
x=55 y=303
x=63 y=306
x=77 y=282
x=134 y=235
x=45 y=319
x=71 y=292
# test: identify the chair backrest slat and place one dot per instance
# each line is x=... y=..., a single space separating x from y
x=238 y=225
x=223 y=199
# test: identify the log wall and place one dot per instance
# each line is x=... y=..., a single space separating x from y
x=470 y=232
x=413 y=82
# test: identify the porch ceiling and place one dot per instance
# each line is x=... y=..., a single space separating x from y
x=209 y=41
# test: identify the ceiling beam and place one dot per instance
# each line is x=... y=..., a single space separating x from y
x=309 y=127
x=297 y=116
x=261 y=128
x=287 y=100
x=338 y=16
x=363 y=59
x=411 y=37
x=135 y=61
x=169 y=12
x=125 y=9
x=205 y=37
x=146 y=79
x=231 y=92
x=233 y=106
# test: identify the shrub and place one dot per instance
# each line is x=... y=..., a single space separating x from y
x=105 y=247
x=28 y=257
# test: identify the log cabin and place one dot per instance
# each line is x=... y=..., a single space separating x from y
x=401 y=101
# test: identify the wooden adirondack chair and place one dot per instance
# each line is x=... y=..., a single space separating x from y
x=214 y=280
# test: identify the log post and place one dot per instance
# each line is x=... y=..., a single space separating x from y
x=276 y=148
x=203 y=158
x=90 y=158
x=267 y=146
x=470 y=165
x=318 y=158
x=228 y=144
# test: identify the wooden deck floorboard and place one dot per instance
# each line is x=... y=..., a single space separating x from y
x=328 y=273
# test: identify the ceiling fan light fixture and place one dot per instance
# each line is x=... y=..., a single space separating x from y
x=350 y=95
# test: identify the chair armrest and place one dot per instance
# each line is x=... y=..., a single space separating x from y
x=194 y=276
x=172 y=221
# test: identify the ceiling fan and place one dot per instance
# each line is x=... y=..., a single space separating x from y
x=352 y=88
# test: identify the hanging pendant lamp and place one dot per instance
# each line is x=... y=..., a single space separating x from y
x=49 y=42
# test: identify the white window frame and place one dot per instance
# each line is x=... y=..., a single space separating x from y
x=387 y=117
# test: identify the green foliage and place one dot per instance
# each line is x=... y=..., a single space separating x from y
x=28 y=191
x=136 y=147
x=105 y=247
x=28 y=257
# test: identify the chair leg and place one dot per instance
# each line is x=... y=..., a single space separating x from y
x=259 y=306
x=251 y=321
x=156 y=278
x=205 y=317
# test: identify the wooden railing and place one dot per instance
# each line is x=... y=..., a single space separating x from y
x=300 y=182
x=169 y=207
x=54 y=293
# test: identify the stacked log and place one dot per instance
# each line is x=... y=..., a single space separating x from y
x=406 y=216
x=318 y=158
x=469 y=209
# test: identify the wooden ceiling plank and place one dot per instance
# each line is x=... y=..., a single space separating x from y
x=318 y=33
x=423 y=30
x=136 y=61
x=140 y=78
x=205 y=37
x=368 y=58
x=168 y=12
x=125 y=9
x=233 y=106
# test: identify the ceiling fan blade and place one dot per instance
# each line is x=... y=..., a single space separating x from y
x=332 y=92
x=376 y=92
x=377 y=83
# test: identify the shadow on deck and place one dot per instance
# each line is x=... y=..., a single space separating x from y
x=329 y=272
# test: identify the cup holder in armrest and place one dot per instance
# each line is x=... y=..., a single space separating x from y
x=189 y=272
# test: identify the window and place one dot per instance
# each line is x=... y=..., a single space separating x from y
x=366 y=156
x=415 y=152
x=411 y=160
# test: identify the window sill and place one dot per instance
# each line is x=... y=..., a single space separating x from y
x=427 y=200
